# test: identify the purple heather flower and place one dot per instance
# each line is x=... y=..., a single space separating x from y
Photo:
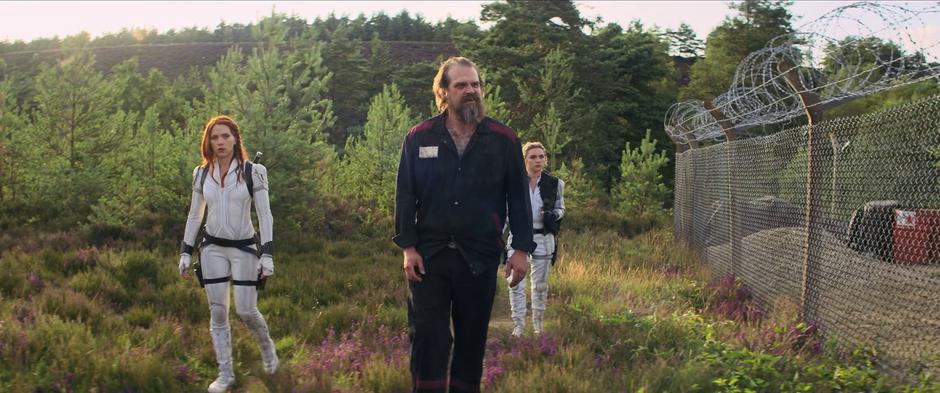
x=36 y=281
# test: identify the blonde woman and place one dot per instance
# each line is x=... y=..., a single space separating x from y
x=548 y=207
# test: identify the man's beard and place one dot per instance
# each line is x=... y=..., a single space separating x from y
x=470 y=111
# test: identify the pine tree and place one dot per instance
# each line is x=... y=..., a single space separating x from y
x=640 y=193
x=151 y=187
x=547 y=108
x=12 y=150
x=368 y=167
x=758 y=21
x=684 y=42
x=581 y=190
x=496 y=108
x=75 y=123
x=280 y=101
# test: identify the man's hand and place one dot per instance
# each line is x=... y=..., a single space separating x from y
x=516 y=266
x=413 y=264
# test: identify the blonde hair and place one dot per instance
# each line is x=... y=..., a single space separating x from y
x=442 y=81
x=533 y=145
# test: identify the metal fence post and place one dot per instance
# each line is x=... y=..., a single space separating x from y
x=727 y=127
x=678 y=214
x=814 y=178
x=690 y=164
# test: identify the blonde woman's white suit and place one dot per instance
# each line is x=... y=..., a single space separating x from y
x=540 y=263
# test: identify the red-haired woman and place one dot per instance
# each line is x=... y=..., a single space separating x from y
x=229 y=249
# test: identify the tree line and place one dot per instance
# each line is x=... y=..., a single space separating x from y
x=116 y=149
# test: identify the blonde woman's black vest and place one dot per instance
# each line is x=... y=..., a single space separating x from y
x=548 y=187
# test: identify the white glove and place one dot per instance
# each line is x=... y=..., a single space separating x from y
x=184 y=264
x=267 y=266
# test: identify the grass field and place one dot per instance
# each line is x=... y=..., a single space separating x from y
x=638 y=314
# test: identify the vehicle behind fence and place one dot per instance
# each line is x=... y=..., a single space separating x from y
x=842 y=216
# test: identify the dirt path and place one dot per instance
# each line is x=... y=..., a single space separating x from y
x=501 y=321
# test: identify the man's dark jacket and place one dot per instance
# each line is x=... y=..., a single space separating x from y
x=442 y=198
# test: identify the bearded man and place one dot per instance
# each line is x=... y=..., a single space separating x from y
x=459 y=176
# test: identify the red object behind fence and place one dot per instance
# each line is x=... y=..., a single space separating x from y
x=916 y=236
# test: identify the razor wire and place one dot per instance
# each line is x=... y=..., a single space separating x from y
x=841 y=215
x=869 y=268
x=833 y=70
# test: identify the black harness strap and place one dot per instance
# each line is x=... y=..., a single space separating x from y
x=259 y=283
x=249 y=180
x=243 y=244
x=215 y=280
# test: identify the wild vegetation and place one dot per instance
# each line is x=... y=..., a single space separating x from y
x=637 y=314
x=95 y=171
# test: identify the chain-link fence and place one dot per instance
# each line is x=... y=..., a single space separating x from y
x=842 y=216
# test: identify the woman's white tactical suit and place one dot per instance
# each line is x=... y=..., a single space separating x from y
x=539 y=263
x=229 y=217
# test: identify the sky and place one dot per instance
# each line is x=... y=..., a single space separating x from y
x=22 y=20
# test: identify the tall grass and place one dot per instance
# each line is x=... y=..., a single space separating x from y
x=625 y=315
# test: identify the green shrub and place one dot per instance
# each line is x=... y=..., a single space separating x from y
x=58 y=347
x=100 y=233
x=381 y=376
x=138 y=371
x=282 y=315
x=138 y=270
x=140 y=316
x=80 y=260
x=52 y=261
x=101 y=285
x=72 y=306
x=339 y=317
x=15 y=271
x=184 y=300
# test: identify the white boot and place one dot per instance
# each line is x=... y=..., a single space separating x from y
x=222 y=343
x=259 y=328
x=269 y=357
x=518 y=328
x=537 y=322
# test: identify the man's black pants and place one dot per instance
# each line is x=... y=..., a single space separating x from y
x=449 y=290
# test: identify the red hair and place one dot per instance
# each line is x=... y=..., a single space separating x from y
x=205 y=147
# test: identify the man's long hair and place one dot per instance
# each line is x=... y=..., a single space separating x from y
x=442 y=81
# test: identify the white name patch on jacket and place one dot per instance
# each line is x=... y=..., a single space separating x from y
x=427 y=152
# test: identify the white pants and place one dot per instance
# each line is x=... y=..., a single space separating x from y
x=218 y=262
x=539 y=265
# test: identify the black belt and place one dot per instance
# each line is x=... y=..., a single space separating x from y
x=243 y=244
x=541 y=231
